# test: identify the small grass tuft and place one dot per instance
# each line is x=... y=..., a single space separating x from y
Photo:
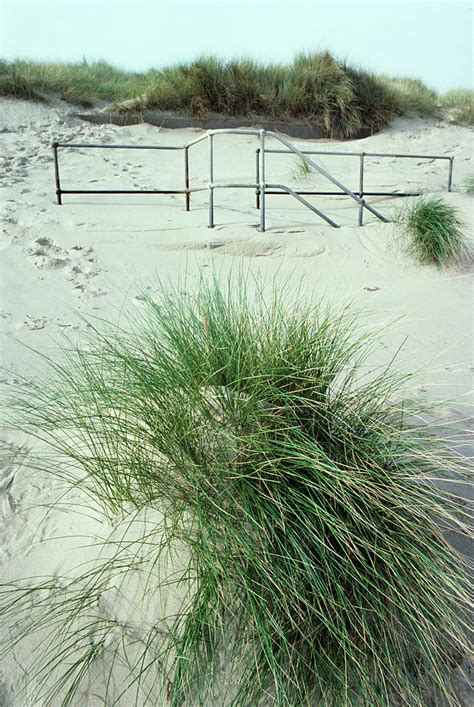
x=304 y=489
x=433 y=231
x=301 y=169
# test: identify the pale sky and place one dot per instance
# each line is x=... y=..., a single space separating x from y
x=419 y=38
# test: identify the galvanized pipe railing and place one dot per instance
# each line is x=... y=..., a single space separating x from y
x=362 y=156
x=260 y=186
x=211 y=182
x=367 y=154
x=328 y=176
x=107 y=146
x=361 y=189
x=289 y=190
x=262 y=180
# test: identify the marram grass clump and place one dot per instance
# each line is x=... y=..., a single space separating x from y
x=433 y=232
x=301 y=486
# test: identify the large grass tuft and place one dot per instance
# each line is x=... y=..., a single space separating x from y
x=301 y=485
x=433 y=231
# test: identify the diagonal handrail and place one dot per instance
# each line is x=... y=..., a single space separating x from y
x=362 y=202
x=306 y=203
x=282 y=187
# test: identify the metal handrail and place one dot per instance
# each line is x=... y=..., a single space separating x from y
x=262 y=133
x=261 y=187
x=107 y=146
x=362 y=203
x=114 y=146
x=288 y=190
x=367 y=154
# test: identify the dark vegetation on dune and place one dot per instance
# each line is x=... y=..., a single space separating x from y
x=319 y=88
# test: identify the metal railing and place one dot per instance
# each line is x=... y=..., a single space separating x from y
x=185 y=148
x=262 y=189
x=360 y=191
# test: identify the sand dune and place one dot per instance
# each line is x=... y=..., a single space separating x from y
x=90 y=256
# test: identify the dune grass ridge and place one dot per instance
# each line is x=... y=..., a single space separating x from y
x=314 y=87
x=299 y=481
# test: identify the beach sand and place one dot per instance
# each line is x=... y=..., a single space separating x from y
x=96 y=253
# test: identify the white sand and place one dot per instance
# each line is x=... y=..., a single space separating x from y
x=89 y=255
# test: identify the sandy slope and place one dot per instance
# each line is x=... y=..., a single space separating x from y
x=88 y=256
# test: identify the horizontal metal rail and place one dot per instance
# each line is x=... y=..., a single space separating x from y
x=131 y=191
x=109 y=146
x=341 y=193
x=358 y=154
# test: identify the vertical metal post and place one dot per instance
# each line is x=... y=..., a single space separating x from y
x=361 y=212
x=361 y=175
x=186 y=178
x=257 y=177
x=361 y=189
x=262 y=181
x=211 y=180
x=56 y=173
x=450 y=173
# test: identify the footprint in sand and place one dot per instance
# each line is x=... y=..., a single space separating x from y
x=4 y=691
x=9 y=467
x=32 y=323
x=83 y=268
x=46 y=254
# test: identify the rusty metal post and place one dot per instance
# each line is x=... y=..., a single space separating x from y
x=257 y=177
x=186 y=178
x=56 y=173
x=450 y=173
